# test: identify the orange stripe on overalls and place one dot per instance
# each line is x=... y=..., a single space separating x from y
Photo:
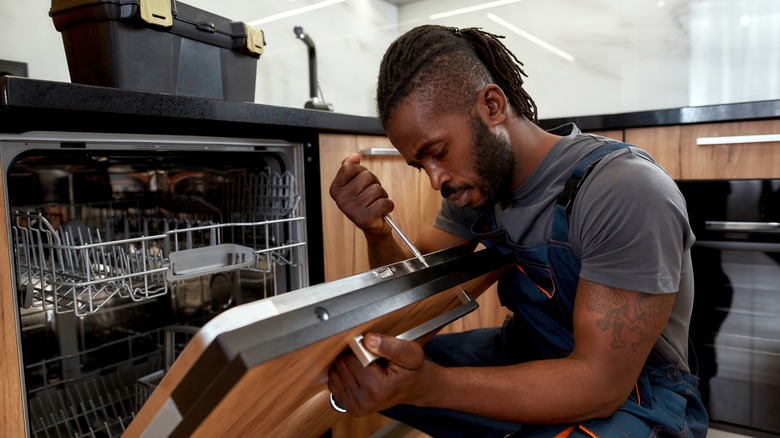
x=588 y=431
x=565 y=432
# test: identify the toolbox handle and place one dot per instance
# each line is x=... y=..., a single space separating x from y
x=205 y=26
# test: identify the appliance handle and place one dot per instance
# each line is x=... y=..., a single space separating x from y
x=738 y=246
x=745 y=227
x=379 y=151
x=468 y=305
x=737 y=139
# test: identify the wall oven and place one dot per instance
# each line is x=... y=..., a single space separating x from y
x=122 y=246
x=735 y=325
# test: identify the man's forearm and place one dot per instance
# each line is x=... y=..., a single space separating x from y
x=524 y=393
x=384 y=249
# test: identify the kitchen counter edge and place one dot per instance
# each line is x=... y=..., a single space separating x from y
x=38 y=105
x=32 y=104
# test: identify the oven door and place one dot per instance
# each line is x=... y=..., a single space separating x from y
x=735 y=324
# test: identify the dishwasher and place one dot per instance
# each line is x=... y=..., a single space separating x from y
x=122 y=246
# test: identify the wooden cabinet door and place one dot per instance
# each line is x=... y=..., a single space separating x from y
x=661 y=142
x=730 y=150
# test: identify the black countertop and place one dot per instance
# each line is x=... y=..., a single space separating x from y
x=37 y=105
x=765 y=109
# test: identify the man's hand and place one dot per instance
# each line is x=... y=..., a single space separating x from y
x=361 y=197
x=362 y=391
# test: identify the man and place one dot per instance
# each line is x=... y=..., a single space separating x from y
x=602 y=293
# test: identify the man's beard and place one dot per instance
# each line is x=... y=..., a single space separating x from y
x=494 y=165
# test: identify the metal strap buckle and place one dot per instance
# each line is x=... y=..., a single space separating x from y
x=255 y=40
x=157 y=12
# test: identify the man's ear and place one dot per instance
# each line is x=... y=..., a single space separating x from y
x=493 y=105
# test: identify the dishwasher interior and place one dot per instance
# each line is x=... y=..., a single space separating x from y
x=122 y=246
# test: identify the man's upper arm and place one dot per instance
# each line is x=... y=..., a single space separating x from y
x=615 y=330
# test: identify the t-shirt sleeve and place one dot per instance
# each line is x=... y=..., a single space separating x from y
x=630 y=227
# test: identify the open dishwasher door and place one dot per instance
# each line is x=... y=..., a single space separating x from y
x=260 y=369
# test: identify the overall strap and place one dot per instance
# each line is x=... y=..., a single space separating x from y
x=565 y=200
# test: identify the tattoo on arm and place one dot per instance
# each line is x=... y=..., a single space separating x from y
x=631 y=317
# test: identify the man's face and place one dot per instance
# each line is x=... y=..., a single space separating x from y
x=468 y=163
x=494 y=164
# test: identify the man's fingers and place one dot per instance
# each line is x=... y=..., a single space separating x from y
x=353 y=158
x=406 y=354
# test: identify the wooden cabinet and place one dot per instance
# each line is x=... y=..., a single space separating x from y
x=730 y=150
x=661 y=142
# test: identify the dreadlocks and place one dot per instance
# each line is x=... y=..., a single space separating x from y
x=448 y=66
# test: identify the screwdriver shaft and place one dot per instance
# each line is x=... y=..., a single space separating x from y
x=406 y=240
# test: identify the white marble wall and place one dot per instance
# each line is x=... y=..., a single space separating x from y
x=735 y=51
x=630 y=55
x=350 y=38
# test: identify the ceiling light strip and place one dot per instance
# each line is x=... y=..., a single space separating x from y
x=294 y=12
x=531 y=38
x=478 y=7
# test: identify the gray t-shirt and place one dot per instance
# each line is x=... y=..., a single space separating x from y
x=628 y=225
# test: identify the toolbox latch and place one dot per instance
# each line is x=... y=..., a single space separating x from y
x=255 y=40
x=156 y=12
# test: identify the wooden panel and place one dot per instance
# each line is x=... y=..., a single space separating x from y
x=287 y=396
x=730 y=161
x=616 y=134
x=338 y=231
x=662 y=143
x=11 y=406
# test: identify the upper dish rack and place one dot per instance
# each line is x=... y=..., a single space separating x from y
x=79 y=268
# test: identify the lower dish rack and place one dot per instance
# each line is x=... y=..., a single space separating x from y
x=75 y=269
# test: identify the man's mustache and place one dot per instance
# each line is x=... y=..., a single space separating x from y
x=447 y=190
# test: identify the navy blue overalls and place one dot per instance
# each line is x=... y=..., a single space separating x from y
x=540 y=292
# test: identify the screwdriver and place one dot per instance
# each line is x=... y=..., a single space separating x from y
x=406 y=240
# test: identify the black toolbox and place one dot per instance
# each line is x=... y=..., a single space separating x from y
x=158 y=46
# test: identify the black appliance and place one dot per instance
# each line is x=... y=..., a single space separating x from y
x=735 y=326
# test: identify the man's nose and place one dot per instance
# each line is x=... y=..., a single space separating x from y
x=438 y=177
